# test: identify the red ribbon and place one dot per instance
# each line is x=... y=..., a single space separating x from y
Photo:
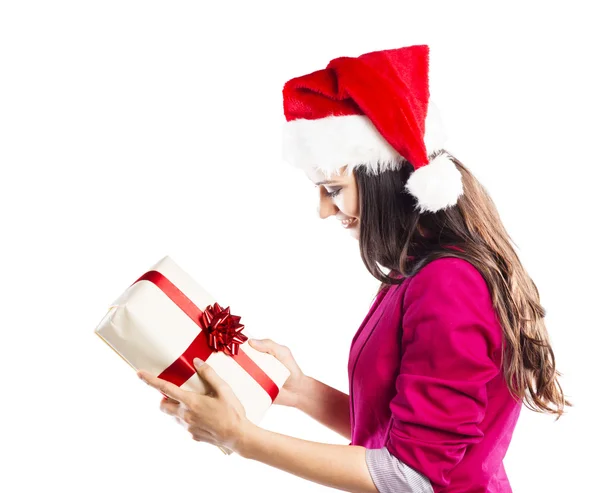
x=220 y=331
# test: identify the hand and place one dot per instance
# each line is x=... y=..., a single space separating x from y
x=291 y=391
x=218 y=418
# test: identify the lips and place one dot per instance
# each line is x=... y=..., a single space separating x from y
x=348 y=223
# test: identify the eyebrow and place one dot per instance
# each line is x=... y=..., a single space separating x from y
x=324 y=182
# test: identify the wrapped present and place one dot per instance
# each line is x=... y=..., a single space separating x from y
x=165 y=319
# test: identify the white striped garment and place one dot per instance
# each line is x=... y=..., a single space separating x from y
x=393 y=476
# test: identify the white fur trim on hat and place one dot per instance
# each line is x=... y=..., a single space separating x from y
x=330 y=143
x=436 y=185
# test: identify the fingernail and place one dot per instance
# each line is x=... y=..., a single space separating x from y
x=140 y=376
x=198 y=362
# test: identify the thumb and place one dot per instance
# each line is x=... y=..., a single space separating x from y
x=263 y=345
x=210 y=376
x=282 y=353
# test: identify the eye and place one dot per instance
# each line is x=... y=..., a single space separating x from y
x=334 y=193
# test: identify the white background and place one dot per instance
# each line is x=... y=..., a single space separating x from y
x=133 y=130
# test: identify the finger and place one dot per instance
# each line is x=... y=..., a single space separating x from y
x=210 y=376
x=202 y=437
x=265 y=345
x=184 y=414
x=167 y=388
x=170 y=407
x=182 y=423
x=279 y=351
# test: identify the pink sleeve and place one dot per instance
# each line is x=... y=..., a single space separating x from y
x=451 y=343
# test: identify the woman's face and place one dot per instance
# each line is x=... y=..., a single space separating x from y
x=338 y=197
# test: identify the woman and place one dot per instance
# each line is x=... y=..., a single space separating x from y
x=455 y=340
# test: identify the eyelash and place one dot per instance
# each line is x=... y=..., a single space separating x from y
x=334 y=193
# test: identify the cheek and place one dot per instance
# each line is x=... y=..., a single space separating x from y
x=350 y=206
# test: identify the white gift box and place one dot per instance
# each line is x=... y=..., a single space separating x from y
x=150 y=332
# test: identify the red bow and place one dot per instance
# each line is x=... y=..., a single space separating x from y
x=223 y=329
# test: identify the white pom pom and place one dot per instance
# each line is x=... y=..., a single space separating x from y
x=436 y=185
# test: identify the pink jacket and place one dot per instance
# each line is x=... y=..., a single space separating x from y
x=426 y=379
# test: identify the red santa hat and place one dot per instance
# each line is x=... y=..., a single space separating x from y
x=372 y=111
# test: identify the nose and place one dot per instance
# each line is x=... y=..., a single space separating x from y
x=326 y=207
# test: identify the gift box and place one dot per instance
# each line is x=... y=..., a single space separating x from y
x=164 y=319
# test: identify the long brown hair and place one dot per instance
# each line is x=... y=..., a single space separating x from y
x=390 y=235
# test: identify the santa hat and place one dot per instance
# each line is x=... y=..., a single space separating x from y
x=372 y=111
